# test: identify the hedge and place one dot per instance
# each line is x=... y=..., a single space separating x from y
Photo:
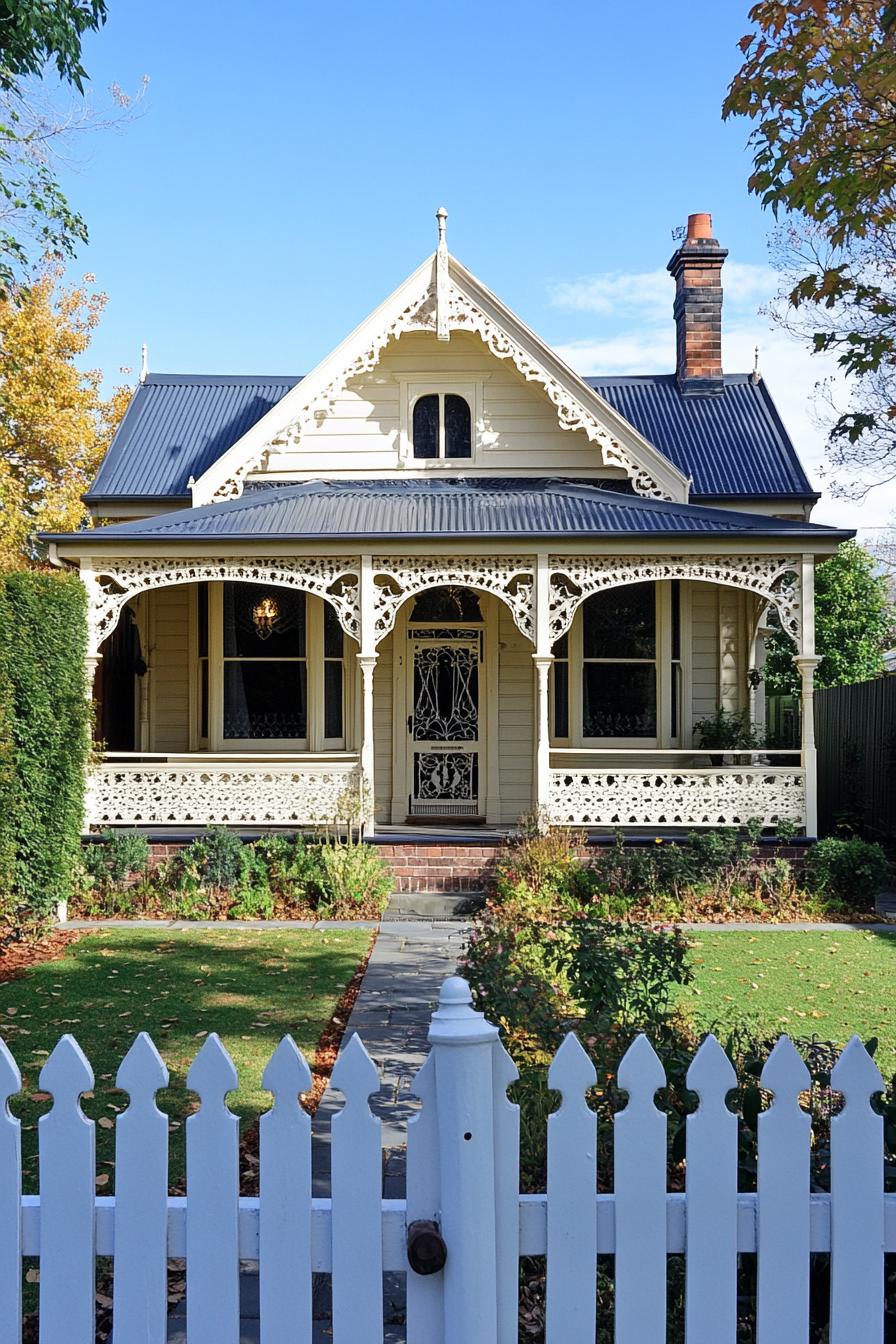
x=44 y=739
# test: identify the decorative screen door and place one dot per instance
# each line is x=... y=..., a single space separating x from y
x=444 y=726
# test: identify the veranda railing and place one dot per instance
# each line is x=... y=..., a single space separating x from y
x=462 y=1174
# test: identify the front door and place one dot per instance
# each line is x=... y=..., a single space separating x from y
x=444 y=725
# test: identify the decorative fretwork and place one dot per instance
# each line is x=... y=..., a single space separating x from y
x=446 y=694
x=510 y=578
x=211 y=794
x=446 y=776
x=771 y=577
x=457 y=313
x=669 y=797
x=116 y=581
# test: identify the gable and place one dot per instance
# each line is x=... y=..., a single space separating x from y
x=366 y=430
x=440 y=299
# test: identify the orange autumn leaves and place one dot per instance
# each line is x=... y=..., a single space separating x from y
x=55 y=424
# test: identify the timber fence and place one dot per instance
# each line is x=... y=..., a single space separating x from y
x=464 y=1224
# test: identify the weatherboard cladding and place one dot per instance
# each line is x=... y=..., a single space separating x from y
x=446 y=508
x=178 y=425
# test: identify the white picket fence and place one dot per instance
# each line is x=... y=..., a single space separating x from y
x=462 y=1172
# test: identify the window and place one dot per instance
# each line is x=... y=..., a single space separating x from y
x=619 y=678
x=202 y=654
x=560 y=675
x=265 y=692
x=442 y=426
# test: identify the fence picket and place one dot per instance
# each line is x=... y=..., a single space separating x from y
x=639 y=1184
x=711 y=1189
x=506 y=1121
x=782 y=1293
x=356 y=1189
x=285 y=1193
x=67 y=1156
x=425 y=1311
x=857 y=1202
x=10 y=1203
x=570 y=1310
x=141 y=1200
x=213 y=1313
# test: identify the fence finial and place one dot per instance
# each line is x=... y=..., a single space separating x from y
x=455 y=1021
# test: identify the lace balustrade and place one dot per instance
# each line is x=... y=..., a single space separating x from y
x=671 y=797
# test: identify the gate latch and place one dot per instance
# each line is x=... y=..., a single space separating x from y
x=427 y=1251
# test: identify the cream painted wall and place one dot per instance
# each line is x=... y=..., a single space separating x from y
x=362 y=432
x=169 y=660
x=516 y=719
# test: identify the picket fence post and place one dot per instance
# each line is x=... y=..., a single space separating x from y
x=10 y=1200
x=463 y=1046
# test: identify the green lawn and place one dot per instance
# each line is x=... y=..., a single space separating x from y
x=249 y=986
x=802 y=983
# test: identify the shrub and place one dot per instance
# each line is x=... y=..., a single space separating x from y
x=293 y=868
x=44 y=738
x=625 y=975
x=116 y=856
x=353 y=877
x=222 y=858
x=852 y=870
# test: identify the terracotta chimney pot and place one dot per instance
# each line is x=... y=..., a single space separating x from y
x=699 y=226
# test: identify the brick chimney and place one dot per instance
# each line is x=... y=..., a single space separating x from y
x=697 y=270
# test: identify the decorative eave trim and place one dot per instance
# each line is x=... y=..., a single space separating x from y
x=440 y=297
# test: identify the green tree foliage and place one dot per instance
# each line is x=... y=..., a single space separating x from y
x=44 y=740
x=818 y=79
x=34 y=213
x=854 y=622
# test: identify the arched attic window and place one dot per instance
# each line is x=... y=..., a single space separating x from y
x=442 y=426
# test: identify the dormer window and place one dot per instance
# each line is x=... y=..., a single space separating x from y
x=442 y=426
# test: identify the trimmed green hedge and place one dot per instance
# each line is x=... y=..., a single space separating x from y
x=44 y=739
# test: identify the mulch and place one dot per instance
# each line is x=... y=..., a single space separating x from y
x=18 y=955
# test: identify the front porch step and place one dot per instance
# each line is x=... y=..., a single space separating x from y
x=433 y=905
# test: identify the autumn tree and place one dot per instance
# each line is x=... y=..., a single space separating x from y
x=55 y=424
x=819 y=81
x=854 y=624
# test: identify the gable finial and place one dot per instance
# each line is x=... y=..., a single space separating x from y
x=755 y=375
x=442 y=330
x=144 y=362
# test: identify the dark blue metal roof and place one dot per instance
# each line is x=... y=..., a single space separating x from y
x=447 y=508
x=732 y=445
x=175 y=427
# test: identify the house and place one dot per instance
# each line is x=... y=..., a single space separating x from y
x=447 y=574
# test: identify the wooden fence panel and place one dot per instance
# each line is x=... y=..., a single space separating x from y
x=213 y=1288
x=67 y=1156
x=855 y=728
x=711 y=1189
x=356 y=1187
x=857 y=1202
x=141 y=1201
x=10 y=1203
x=572 y=1187
x=284 y=1232
x=782 y=1308
x=639 y=1184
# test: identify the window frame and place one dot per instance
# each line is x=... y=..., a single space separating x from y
x=314 y=658
x=665 y=682
x=412 y=389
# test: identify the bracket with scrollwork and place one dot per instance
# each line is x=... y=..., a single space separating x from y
x=773 y=578
x=115 y=582
x=509 y=578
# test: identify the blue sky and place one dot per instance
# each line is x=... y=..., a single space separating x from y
x=283 y=172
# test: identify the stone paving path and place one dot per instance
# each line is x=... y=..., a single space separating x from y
x=399 y=991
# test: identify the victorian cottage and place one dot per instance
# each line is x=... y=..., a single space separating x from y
x=448 y=577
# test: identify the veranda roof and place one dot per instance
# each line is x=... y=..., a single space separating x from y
x=450 y=508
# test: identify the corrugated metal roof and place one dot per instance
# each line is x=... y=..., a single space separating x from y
x=175 y=427
x=470 y=507
x=732 y=445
